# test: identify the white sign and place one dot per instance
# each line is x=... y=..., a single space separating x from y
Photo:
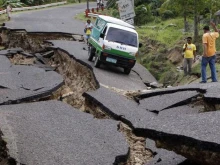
x=130 y=21
x=126 y=9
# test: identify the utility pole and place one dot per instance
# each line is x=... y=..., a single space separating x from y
x=87 y=5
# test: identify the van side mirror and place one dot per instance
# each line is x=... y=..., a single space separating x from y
x=102 y=35
x=140 y=45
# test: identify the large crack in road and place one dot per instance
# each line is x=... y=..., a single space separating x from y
x=82 y=90
x=78 y=79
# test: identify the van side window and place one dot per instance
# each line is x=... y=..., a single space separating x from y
x=100 y=23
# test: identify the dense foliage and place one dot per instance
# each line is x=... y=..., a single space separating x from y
x=22 y=3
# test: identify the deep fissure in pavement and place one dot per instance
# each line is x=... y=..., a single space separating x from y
x=78 y=78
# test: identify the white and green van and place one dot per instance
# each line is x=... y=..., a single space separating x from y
x=113 y=41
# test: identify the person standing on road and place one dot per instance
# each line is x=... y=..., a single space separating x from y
x=101 y=3
x=189 y=50
x=98 y=4
x=8 y=11
x=88 y=29
x=209 y=52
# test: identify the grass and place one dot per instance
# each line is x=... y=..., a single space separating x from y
x=3 y=18
x=165 y=35
x=167 y=32
x=81 y=16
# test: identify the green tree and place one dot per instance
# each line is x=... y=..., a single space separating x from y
x=179 y=7
x=143 y=15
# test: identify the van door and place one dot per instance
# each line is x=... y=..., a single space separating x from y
x=98 y=27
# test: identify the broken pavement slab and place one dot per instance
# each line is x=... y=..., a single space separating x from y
x=119 y=107
x=162 y=156
x=210 y=91
x=24 y=83
x=53 y=132
x=12 y=51
x=190 y=135
x=180 y=110
x=195 y=136
x=161 y=102
x=199 y=87
x=41 y=58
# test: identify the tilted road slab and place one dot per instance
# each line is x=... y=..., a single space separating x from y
x=194 y=136
x=180 y=111
x=119 y=107
x=188 y=134
x=162 y=102
x=128 y=111
x=25 y=83
x=209 y=90
x=163 y=157
x=53 y=132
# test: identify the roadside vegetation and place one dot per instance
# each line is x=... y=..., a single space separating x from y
x=23 y=3
x=163 y=26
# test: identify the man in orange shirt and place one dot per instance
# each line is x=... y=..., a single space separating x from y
x=209 y=52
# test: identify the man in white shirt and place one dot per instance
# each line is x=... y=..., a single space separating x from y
x=8 y=11
x=88 y=29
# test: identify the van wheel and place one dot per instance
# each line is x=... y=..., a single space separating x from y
x=97 y=62
x=91 y=53
x=127 y=70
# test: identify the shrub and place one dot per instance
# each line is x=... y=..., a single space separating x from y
x=167 y=14
x=115 y=13
x=143 y=15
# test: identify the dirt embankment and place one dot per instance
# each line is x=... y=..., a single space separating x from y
x=164 y=63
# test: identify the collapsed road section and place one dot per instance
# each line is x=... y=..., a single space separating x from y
x=175 y=118
x=33 y=63
x=180 y=124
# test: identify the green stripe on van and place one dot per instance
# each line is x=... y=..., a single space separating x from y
x=112 y=51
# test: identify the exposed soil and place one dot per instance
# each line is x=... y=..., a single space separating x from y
x=19 y=59
x=199 y=156
x=77 y=77
x=138 y=153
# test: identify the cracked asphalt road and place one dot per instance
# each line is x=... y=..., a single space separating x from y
x=55 y=19
x=61 y=19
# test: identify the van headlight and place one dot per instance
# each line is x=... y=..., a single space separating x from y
x=106 y=47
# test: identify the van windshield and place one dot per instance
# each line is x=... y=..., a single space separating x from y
x=122 y=36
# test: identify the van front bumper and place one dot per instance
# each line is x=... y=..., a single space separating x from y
x=117 y=60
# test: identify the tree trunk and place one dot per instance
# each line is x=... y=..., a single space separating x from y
x=196 y=32
x=184 y=17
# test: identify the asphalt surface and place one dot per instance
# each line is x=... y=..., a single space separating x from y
x=55 y=19
x=53 y=132
x=51 y=123
x=164 y=157
x=161 y=102
x=25 y=83
x=180 y=125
